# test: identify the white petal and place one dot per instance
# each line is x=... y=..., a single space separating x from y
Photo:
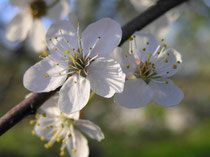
x=43 y=123
x=82 y=149
x=20 y=3
x=143 y=44
x=168 y=63
x=74 y=115
x=35 y=78
x=18 y=28
x=126 y=61
x=110 y=33
x=166 y=94
x=136 y=94
x=61 y=36
x=36 y=38
x=142 y=5
x=60 y=10
x=74 y=94
x=106 y=77
x=90 y=129
x=50 y=107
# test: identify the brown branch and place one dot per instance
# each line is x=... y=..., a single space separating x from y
x=32 y=103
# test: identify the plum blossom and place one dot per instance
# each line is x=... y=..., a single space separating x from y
x=160 y=27
x=28 y=24
x=54 y=126
x=78 y=63
x=147 y=67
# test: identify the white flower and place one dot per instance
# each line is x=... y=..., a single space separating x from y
x=147 y=67
x=54 y=126
x=79 y=64
x=160 y=27
x=27 y=23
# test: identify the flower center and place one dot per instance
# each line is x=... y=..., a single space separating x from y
x=145 y=70
x=38 y=8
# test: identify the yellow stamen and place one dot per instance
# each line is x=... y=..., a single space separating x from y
x=33 y=132
x=46 y=76
x=42 y=138
x=32 y=122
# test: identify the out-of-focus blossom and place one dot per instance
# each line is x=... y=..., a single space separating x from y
x=178 y=119
x=54 y=126
x=162 y=25
x=27 y=23
x=147 y=67
x=79 y=64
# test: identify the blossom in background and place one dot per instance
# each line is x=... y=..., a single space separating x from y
x=27 y=23
x=78 y=62
x=54 y=126
x=160 y=27
x=147 y=67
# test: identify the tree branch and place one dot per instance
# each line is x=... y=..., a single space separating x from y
x=31 y=104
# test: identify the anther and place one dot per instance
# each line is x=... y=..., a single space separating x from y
x=128 y=66
x=46 y=146
x=32 y=122
x=64 y=141
x=44 y=115
x=42 y=138
x=37 y=116
x=166 y=61
x=125 y=56
x=33 y=132
x=174 y=66
x=46 y=76
x=74 y=151
x=179 y=62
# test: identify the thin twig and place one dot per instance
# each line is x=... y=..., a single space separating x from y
x=32 y=103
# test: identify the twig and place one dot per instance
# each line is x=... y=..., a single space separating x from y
x=31 y=104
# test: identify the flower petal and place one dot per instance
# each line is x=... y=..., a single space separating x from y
x=143 y=44
x=50 y=107
x=60 y=10
x=74 y=94
x=90 y=129
x=44 y=76
x=61 y=36
x=168 y=63
x=110 y=34
x=106 y=77
x=126 y=61
x=166 y=94
x=20 y=3
x=18 y=28
x=82 y=149
x=42 y=124
x=135 y=94
x=36 y=38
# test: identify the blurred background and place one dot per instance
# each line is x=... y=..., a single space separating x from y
x=183 y=130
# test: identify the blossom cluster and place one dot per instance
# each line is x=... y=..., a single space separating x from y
x=79 y=63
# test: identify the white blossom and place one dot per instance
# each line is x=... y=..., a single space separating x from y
x=147 y=67
x=54 y=126
x=28 y=24
x=160 y=27
x=78 y=62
